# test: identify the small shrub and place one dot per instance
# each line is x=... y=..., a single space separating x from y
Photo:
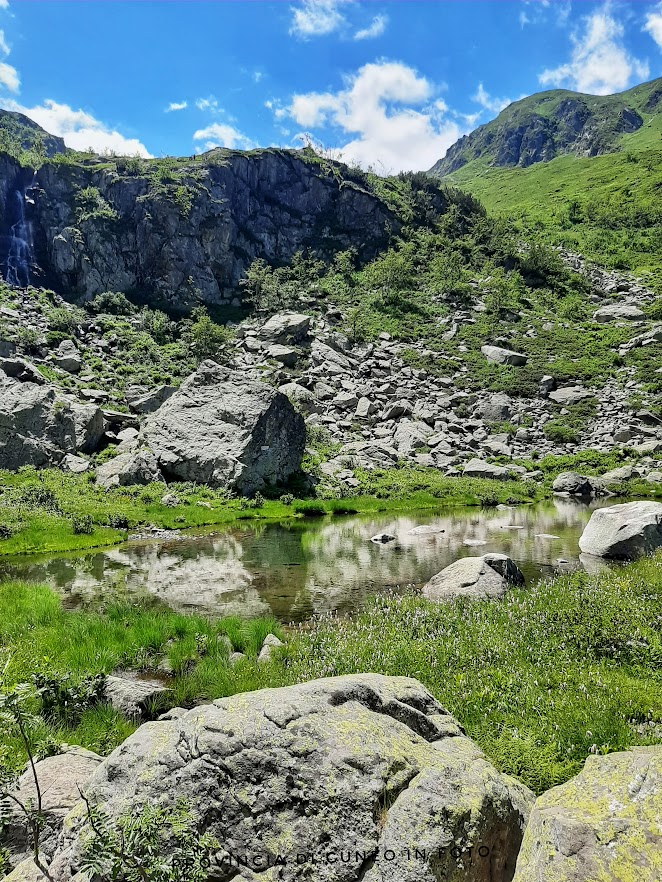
x=113 y=303
x=118 y=521
x=488 y=499
x=287 y=499
x=560 y=433
x=6 y=531
x=82 y=525
x=38 y=496
x=28 y=339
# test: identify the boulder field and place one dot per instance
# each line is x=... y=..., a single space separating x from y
x=362 y=777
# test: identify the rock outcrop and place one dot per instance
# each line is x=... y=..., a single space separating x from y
x=192 y=237
x=604 y=824
x=225 y=430
x=36 y=427
x=479 y=577
x=623 y=532
x=368 y=767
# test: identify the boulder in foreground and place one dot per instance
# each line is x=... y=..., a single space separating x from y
x=481 y=577
x=225 y=430
x=623 y=532
x=366 y=766
x=604 y=824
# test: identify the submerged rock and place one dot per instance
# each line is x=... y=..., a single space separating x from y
x=366 y=765
x=604 y=824
x=225 y=430
x=625 y=531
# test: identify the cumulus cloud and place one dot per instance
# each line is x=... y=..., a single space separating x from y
x=316 y=18
x=80 y=129
x=391 y=111
x=376 y=29
x=653 y=24
x=488 y=102
x=599 y=62
x=222 y=135
x=9 y=77
x=174 y=106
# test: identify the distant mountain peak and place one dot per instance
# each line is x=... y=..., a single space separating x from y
x=549 y=124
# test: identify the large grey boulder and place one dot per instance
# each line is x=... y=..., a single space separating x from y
x=496 y=408
x=605 y=824
x=498 y=355
x=285 y=327
x=226 y=430
x=140 y=401
x=36 y=427
x=569 y=395
x=366 y=766
x=59 y=777
x=67 y=357
x=133 y=695
x=90 y=426
x=125 y=469
x=478 y=468
x=623 y=532
x=618 y=312
x=301 y=397
x=21 y=370
x=480 y=577
x=573 y=484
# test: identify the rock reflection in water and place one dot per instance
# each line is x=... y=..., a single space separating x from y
x=303 y=568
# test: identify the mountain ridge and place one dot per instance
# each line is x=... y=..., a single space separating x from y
x=553 y=123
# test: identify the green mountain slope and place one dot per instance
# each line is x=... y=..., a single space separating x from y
x=19 y=134
x=607 y=207
x=550 y=124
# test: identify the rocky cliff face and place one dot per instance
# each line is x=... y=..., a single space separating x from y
x=185 y=231
x=549 y=124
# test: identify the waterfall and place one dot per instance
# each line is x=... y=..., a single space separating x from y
x=19 y=253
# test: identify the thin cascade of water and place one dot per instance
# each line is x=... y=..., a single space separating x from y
x=19 y=253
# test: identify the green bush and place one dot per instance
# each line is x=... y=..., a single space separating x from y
x=113 y=303
x=559 y=433
x=82 y=525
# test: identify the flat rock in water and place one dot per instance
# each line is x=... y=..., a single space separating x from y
x=367 y=765
x=382 y=538
x=604 y=824
x=426 y=530
x=480 y=577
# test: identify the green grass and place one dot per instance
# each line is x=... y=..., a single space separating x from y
x=541 y=679
x=605 y=207
x=37 y=508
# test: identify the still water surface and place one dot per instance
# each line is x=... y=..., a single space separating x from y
x=299 y=569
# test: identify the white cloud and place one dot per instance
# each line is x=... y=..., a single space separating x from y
x=654 y=24
x=390 y=109
x=4 y=46
x=210 y=103
x=537 y=12
x=80 y=129
x=488 y=102
x=316 y=18
x=222 y=135
x=9 y=77
x=4 y=4
x=599 y=62
x=376 y=29
x=175 y=106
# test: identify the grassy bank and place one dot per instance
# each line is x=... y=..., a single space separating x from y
x=541 y=679
x=51 y=511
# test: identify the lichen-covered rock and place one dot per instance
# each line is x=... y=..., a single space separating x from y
x=604 y=825
x=90 y=426
x=481 y=577
x=225 y=430
x=360 y=777
x=625 y=531
x=36 y=427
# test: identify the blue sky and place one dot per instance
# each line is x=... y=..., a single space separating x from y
x=386 y=84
